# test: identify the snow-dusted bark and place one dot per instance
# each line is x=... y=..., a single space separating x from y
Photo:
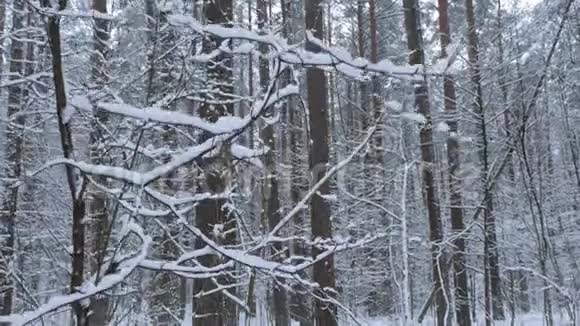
x=13 y=156
x=438 y=263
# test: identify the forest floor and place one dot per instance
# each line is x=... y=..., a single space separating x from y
x=533 y=319
x=524 y=320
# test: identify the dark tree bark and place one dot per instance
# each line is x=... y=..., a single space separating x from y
x=2 y=23
x=12 y=172
x=324 y=273
x=99 y=228
x=376 y=155
x=462 y=314
x=331 y=75
x=215 y=309
x=373 y=30
x=292 y=150
x=76 y=190
x=362 y=44
x=96 y=201
x=374 y=106
x=360 y=19
x=270 y=193
x=100 y=44
x=376 y=89
x=416 y=57
x=493 y=294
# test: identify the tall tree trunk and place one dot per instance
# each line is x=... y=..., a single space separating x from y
x=493 y=294
x=376 y=155
x=416 y=57
x=28 y=193
x=362 y=44
x=360 y=19
x=96 y=201
x=2 y=23
x=99 y=232
x=215 y=309
x=462 y=314
x=376 y=89
x=270 y=193
x=13 y=169
x=324 y=274
x=375 y=103
x=76 y=190
x=292 y=150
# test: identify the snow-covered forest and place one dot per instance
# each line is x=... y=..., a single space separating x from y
x=289 y=162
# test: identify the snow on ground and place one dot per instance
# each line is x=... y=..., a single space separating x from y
x=526 y=320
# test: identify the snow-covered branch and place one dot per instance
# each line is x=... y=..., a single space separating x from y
x=89 y=289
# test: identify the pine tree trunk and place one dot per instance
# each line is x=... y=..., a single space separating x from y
x=12 y=172
x=375 y=107
x=292 y=147
x=376 y=154
x=462 y=314
x=324 y=273
x=270 y=192
x=31 y=154
x=416 y=57
x=99 y=230
x=493 y=294
x=2 y=23
x=362 y=44
x=360 y=19
x=215 y=309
